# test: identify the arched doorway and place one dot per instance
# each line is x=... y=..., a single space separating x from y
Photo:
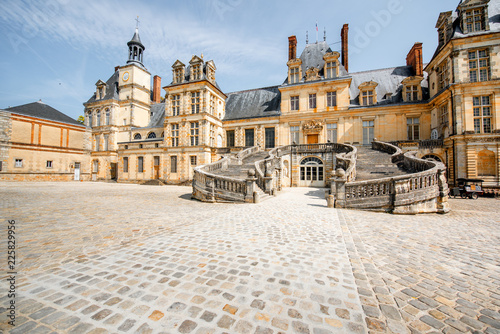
x=312 y=172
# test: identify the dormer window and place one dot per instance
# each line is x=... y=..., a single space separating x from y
x=178 y=76
x=331 y=68
x=294 y=75
x=211 y=71
x=367 y=93
x=196 y=72
x=100 y=90
x=474 y=16
x=178 y=72
x=412 y=90
x=474 y=20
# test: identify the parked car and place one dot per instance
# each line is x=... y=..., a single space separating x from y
x=468 y=188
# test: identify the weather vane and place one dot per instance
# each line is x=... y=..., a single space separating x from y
x=137 y=20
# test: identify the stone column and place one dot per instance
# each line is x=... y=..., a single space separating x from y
x=250 y=197
x=340 y=181
x=442 y=201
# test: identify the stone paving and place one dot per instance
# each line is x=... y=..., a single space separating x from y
x=117 y=258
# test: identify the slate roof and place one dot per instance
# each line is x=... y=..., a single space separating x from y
x=261 y=102
x=136 y=39
x=389 y=81
x=158 y=115
x=41 y=110
x=111 y=89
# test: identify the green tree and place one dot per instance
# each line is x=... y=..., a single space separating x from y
x=81 y=119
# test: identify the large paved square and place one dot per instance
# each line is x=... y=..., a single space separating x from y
x=117 y=258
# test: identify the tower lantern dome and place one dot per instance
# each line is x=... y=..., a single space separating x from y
x=135 y=49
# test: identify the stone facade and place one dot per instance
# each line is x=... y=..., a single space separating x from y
x=42 y=149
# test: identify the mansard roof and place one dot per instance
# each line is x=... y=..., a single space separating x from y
x=389 y=80
x=157 y=115
x=41 y=110
x=111 y=89
x=261 y=102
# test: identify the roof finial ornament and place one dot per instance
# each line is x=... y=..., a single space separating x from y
x=137 y=22
x=307 y=37
x=324 y=37
x=202 y=56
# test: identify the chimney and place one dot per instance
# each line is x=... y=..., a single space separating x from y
x=415 y=59
x=292 y=47
x=156 y=89
x=345 y=46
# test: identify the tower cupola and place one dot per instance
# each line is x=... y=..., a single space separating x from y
x=135 y=48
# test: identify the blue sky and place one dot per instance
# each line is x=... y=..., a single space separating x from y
x=56 y=50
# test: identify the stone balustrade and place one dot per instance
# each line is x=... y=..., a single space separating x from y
x=424 y=190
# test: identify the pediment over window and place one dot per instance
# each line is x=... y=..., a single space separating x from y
x=100 y=83
x=195 y=60
x=444 y=17
x=177 y=64
x=331 y=56
x=415 y=80
x=368 y=85
x=294 y=62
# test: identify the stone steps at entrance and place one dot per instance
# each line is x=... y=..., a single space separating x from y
x=372 y=164
x=241 y=171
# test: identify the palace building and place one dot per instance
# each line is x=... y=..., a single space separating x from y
x=446 y=110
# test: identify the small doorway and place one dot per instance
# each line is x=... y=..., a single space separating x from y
x=113 y=170
x=156 y=168
x=312 y=138
x=312 y=172
x=77 y=171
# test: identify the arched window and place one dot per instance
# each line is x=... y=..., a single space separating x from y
x=486 y=165
x=89 y=119
x=311 y=169
x=137 y=136
x=108 y=113
x=151 y=135
x=162 y=135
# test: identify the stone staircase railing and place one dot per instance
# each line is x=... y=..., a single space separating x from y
x=424 y=190
x=268 y=171
x=208 y=187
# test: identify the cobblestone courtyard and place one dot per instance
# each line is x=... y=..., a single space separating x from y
x=117 y=258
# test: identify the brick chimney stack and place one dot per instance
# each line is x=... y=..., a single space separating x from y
x=292 y=47
x=344 y=35
x=415 y=59
x=156 y=89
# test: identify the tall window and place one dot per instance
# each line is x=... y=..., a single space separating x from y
x=230 y=138
x=413 y=126
x=479 y=66
x=196 y=72
x=175 y=135
x=193 y=159
x=107 y=116
x=294 y=134
x=212 y=104
x=212 y=135
x=443 y=76
x=294 y=75
x=140 y=165
x=125 y=164
x=99 y=118
x=312 y=101
x=97 y=143
x=482 y=114
x=195 y=102
x=173 y=164
x=474 y=20
x=176 y=105
x=106 y=143
x=95 y=166
x=294 y=102
x=195 y=129
x=443 y=114
x=368 y=132
x=331 y=132
x=89 y=119
x=412 y=93
x=270 y=136
x=331 y=99
x=331 y=70
x=178 y=75
x=249 y=138
x=367 y=97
